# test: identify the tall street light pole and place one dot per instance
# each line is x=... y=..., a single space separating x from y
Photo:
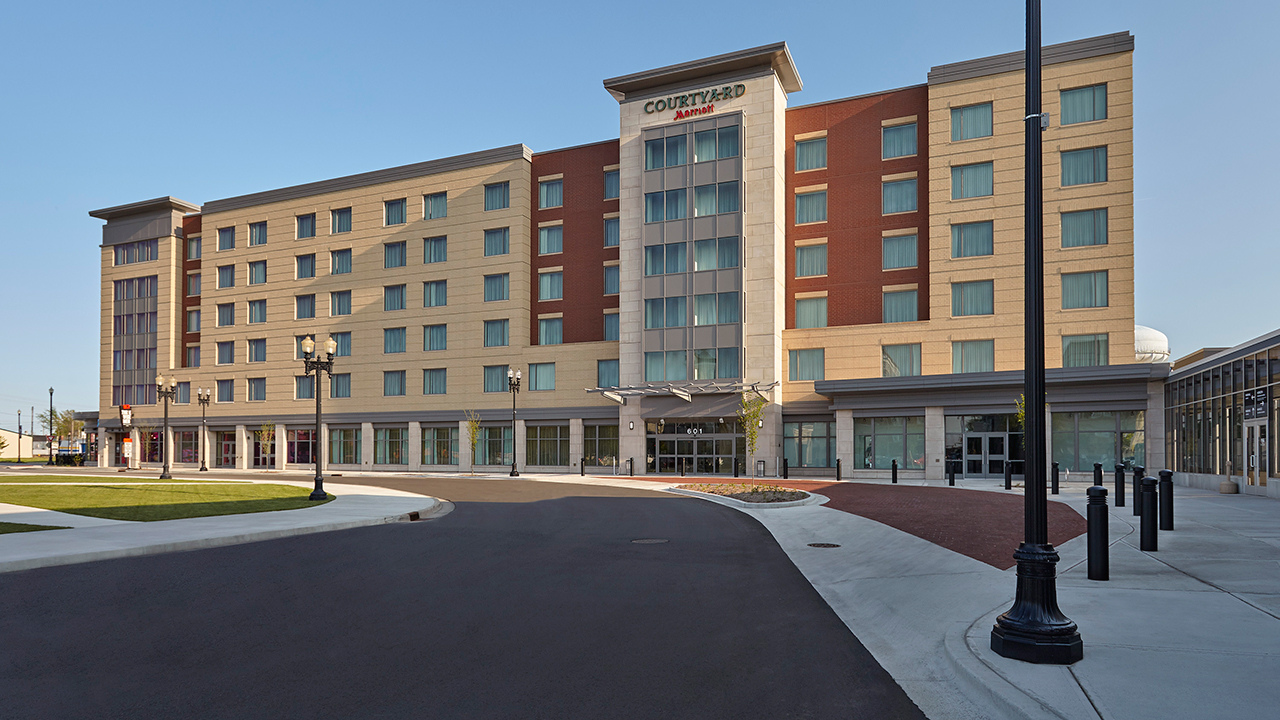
x=513 y=386
x=50 y=426
x=166 y=389
x=1034 y=629
x=203 y=398
x=316 y=365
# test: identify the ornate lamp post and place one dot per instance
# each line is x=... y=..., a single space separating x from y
x=166 y=389
x=316 y=365
x=513 y=386
x=50 y=426
x=203 y=398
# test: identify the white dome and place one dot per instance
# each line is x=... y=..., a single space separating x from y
x=1150 y=345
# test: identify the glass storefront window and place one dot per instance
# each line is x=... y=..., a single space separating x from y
x=440 y=446
x=600 y=444
x=880 y=441
x=809 y=444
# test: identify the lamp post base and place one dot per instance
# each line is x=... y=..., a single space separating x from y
x=1034 y=630
x=165 y=475
x=514 y=473
x=202 y=467
x=318 y=495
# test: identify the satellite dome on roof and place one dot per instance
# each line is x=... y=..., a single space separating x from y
x=1150 y=345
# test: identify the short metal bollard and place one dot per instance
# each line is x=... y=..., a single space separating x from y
x=1099 y=566
x=1139 y=472
x=1008 y=475
x=837 y=469
x=735 y=467
x=1166 y=499
x=1097 y=473
x=1119 y=486
x=582 y=467
x=951 y=473
x=680 y=464
x=1148 y=529
x=631 y=467
x=893 y=468
x=786 y=469
x=1053 y=484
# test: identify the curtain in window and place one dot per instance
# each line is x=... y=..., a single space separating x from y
x=306 y=226
x=728 y=142
x=394 y=212
x=551 y=332
x=437 y=206
x=435 y=293
x=437 y=337
x=496 y=287
x=811 y=312
x=900 y=360
x=607 y=373
x=340 y=303
x=677 y=365
x=341 y=261
x=551 y=286
x=393 y=297
x=542 y=376
x=497 y=242
x=653 y=154
x=1084 y=290
x=227 y=276
x=727 y=363
x=971 y=181
x=393 y=340
x=654 y=368
x=435 y=250
x=653 y=207
x=811 y=260
x=306 y=307
x=1084 y=104
x=677 y=258
x=1084 y=350
x=258 y=350
x=495 y=333
x=611 y=185
x=654 y=260
x=226 y=353
x=729 y=307
x=704 y=364
x=193 y=284
x=341 y=220
x=704 y=309
x=704 y=200
x=676 y=150
x=807 y=365
x=1080 y=167
x=704 y=255
x=677 y=204
x=343 y=340
x=677 y=312
x=973 y=298
x=394 y=255
x=304 y=388
x=1087 y=227
x=728 y=192
x=900 y=306
x=434 y=381
x=497 y=197
x=257 y=311
x=226 y=238
x=611 y=232
x=971 y=122
x=612 y=280
x=898 y=197
x=973 y=356
x=811 y=154
x=550 y=194
x=611 y=326
x=898 y=141
x=258 y=233
x=495 y=378
x=257 y=272
x=257 y=389
x=811 y=207
x=393 y=382
x=654 y=313
x=728 y=252
x=898 y=252
x=306 y=266
x=971 y=239
x=704 y=146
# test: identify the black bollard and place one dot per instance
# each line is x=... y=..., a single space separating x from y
x=1119 y=486
x=1139 y=472
x=582 y=467
x=837 y=469
x=786 y=467
x=1148 y=528
x=681 y=462
x=951 y=473
x=631 y=467
x=1053 y=485
x=894 y=469
x=1099 y=567
x=1166 y=499
x=1097 y=473
x=735 y=467
x=1008 y=475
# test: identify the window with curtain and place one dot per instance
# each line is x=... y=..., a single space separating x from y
x=550 y=194
x=704 y=200
x=393 y=383
x=654 y=154
x=728 y=252
x=297 y=345
x=654 y=207
x=607 y=373
x=898 y=197
x=551 y=286
x=677 y=362
x=435 y=337
x=440 y=445
x=807 y=365
x=704 y=309
x=704 y=364
x=435 y=381
x=497 y=242
x=1081 y=167
x=542 y=376
x=611 y=326
x=344 y=443
x=811 y=260
x=704 y=255
x=395 y=211
x=654 y=367
x=677 y=311
x=435 y=250
x=394 y=255
x=727 y=363
x=226 y=352
x=1085 y=227
x=304 y=388
x=1084 y=290
x=391 y=445
x=257 y=272
x=226 y=314
x=612 y=280
x=676 y=258
x=612 y=234
x=654 y=313
x=340 y=220
x=973 y=298
x=435 y=205
x=257 y=311
x=898 y=251
x=258 y=350
x=729 y=307
x=811 y=312
x=226 y=391
x=495 y=378
x=973 y=356
x=193 y=248
x=193 y=284
x=193 y=321
x=550 y=240
x=340 y=303
x=900 y=306
x=811 y=207
x=257 y=389
x=1084 y=104
x=497 y=196
x=612 y=186
x=1084 y=350
x=677 y=203
x=704 y=146
x=968 y=181
x=551 y=331
x=340 y=262
x=898 y=141
x=193 y=357
x=304 y=307
x=343 y=340
x=306 y=266
x=257 y=233
x=811 y=154
x=728 y=196
x=495 y=333
x=972 y=239
x=971 y=122
x=809 y=444
x=547 y=445
x=393 y=297
x=226 y=276
x=495 y=446
x=435 y=293
x=306 y=226
x=393 y=340
x=497 y=287
x=677 y=150
x=227 y=238
x=900 y=360
x=727 y=142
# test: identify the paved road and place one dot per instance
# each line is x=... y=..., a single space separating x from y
x=529 y=600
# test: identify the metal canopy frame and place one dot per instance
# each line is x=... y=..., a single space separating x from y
x=684 y=391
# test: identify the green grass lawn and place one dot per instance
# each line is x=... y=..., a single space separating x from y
x=8 y=527
x=17 y=477
x=161 y=501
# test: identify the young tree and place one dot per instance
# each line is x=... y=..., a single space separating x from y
x=473 y=435
x=750 y=414
x=267 y=436
x=4 y=444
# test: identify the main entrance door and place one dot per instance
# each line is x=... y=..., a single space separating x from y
x=985 y=454
x=1255 y=478
x=699 y=447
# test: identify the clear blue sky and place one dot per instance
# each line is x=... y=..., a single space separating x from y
x=110 y=103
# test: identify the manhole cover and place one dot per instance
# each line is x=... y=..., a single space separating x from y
x=823 y=545
x=649 y=541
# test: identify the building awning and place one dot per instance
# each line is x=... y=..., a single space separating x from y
x=684 y=391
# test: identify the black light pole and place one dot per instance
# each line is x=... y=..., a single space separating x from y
x=166 y=389
x=316 y=365
x=513 y=386
x=50 y=426
x=203 y=398
x=1034 y=629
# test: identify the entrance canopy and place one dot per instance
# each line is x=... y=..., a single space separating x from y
x=684 y=391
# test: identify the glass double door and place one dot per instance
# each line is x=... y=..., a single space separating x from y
x=1255 y=477
x=985 y=454
x=694 y=447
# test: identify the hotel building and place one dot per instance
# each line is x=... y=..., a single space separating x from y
x=856 y=264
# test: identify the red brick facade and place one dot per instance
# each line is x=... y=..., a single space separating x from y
x=190 y=229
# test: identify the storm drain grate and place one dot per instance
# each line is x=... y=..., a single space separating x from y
x=650 y=541
x=823 y=545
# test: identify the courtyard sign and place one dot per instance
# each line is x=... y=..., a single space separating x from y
x=698 y=103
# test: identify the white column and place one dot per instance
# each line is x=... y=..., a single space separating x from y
x=631 y=437
x=104 y=448
x=845 y=448
x=575 y=443
x=464 y=447
x=520 y=434
x=366 y=446
x=935 y=443
x=136 y=461
x=415 y=446
x=244 y=448
x=282 y=447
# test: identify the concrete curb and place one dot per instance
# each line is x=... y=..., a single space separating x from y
x=980 y=680
x=813 y=499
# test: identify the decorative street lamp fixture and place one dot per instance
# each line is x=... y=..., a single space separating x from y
x=513 y=386
x=316 y=365
x=203 y=397
x=50 y=426
x=166 y=389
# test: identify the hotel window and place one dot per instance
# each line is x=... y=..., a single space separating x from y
x=258 y=350
x=551 y=331
x=496 y=333
x=193 y=321
x=304 y=388
x=1081 y=167
x=968 y=181
x=811 y=312
x=811 y=154
x=340 y=221
x=898 y=197
x=1083 y=228
x=677 y=311
x=882 y=440
x=340 y=303
x=193 y=357
x=257 y=272
x=435 y=250
x=972 y=239
x=435 y=205
x=306 y=266
x=811 y=260
x=612 y=187
x=973 y=356
x=193 y=248
x=306 y=226
x=497 y=242
x=257 y=234
x=226 y=391
x=611 y=326
x=340 y=387
x=607 y=373
x=656 y=366
x=727 y=142
x=899 y=306
x=343 y=339
x=257 y=311
x=729 y=200
x=900 y=360
x=435 y=337
x=226 y=276
x=184 y=394
x=136 y=252
x=612 y=280
x=704 y=309
x=435 y=293
x=304 y=307
x=1084 y=104
x=340 y=262
x=393 y=297
x=226 y=314
x=972 y=298
x=653 y=207
x=898 y=141
x=677 y=202
x=495 y=378
x=226 y=353
x=497 y=287
x=677 y=150
x=654 y=259
x=612 y=234
x=811 y=207
x=393 y=383
x=542 y=376
x=344 y=444
x=729 y=306
x=394 y=211
x=193 y=284
x=704 y=364
x=435 y=381
x=1084 y=290
x=393 y=340
x=551 y=286
x=809 y=444
x=897 y=252
x=806 y=365
x=727 y=363
x=1084 y=350
x=550 y=194
x=227 y=238
x=704 y=200
x=394 y=255
x=550 y=240
x=728 y=247
x=971 y=122
x=440 y=444
x=497 y=196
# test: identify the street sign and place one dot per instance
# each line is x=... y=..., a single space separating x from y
x=126 y=416
x=127 y=448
